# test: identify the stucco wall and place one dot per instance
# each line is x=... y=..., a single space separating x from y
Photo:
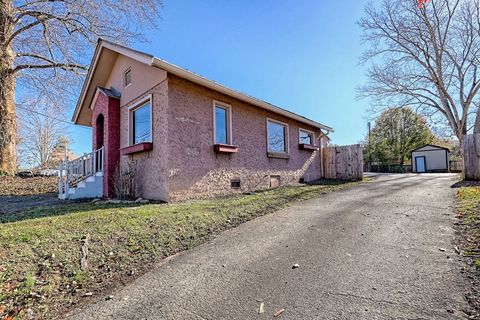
x=144 y=78
x=182 y=164
x=195 y=171
x=151 y=166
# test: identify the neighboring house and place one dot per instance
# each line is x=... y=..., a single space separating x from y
x=430 y=158
x=189 y=137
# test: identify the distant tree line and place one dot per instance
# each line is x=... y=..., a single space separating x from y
x=398 y=131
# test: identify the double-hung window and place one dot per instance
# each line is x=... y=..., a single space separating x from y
x=277 y=136
x=141 y=123
x=222 y=123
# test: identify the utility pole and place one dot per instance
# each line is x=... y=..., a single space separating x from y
x=369 y=146
x=66 y=150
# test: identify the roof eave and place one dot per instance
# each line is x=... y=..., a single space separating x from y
x=188 y=75
x=134 y=54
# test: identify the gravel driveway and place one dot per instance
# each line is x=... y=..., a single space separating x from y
x=380 y=250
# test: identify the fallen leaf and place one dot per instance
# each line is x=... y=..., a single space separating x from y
x=278 y=313
x=261 y=309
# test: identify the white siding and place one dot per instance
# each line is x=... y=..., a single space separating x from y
x=435 y=158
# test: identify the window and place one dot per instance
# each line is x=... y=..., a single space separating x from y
x=141 y=123
x=127 y=78
x=305 y=137
x=277 y=133
x=222 y=123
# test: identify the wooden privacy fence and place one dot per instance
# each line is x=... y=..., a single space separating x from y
x=471 y=158
x=343 y=163
x=456 y=165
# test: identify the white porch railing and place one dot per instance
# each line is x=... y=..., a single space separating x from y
x=74 y=171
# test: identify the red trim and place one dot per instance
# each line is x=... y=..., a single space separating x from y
x=225 y=148
x=139 y=147
x=309 y=147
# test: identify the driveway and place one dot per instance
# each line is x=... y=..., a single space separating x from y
x=374 y=251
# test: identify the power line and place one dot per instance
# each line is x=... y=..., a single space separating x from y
x=47 y=116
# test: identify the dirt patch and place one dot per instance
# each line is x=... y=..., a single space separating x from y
x=12 y=204
x=22 y=186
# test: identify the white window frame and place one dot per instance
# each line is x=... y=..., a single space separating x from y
x=125 y=85
x=134 y=107
x=307 y=131
x=227 y=107
x=287 y=137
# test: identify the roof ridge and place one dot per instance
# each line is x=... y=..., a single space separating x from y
x=151 y=60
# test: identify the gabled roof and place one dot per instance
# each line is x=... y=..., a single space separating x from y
x=182 y=73
x=430 y=145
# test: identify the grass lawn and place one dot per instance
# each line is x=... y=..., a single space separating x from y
x=468 y=209
x=40 y=270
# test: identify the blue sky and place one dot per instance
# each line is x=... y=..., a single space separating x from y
x=300 y=55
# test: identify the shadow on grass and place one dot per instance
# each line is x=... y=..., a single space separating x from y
x=329 y=182
x=59 y=210
x=465 y=183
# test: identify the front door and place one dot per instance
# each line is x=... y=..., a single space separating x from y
x=420 y=166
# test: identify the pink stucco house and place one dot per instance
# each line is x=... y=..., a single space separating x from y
x=187 y=136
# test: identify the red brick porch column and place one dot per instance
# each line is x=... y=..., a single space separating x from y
x=106 y=111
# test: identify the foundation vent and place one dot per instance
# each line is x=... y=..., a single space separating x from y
x=235 y=183
x=274 y=181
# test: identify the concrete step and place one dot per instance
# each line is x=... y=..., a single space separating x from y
x=92 y=187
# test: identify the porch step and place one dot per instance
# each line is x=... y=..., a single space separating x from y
x=92 y=187
x=82 y=177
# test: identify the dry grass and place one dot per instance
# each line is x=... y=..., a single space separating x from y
x=468 y=210
x=40 y=273
x=18 y=186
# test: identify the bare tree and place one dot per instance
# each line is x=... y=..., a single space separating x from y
x=40 y=129
x=426 y=56
x=44 y=45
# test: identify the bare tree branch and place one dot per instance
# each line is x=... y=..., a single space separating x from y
x=45 y=43
x=426 y=55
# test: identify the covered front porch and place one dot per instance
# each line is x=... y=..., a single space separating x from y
x=92 y=175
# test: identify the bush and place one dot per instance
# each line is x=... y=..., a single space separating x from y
x=125 y=182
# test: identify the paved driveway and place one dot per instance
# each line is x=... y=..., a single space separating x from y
x=370 y=252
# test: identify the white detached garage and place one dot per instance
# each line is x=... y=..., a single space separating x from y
x=430 y=158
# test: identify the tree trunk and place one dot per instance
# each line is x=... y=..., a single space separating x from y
x=8 y=120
